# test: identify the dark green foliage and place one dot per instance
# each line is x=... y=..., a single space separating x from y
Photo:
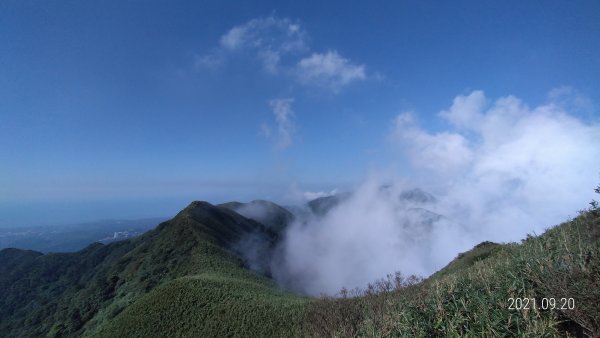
x=210 y=305
x=36 y=290
x=69 y=294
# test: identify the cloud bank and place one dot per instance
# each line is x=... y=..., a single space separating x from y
x=501 y=170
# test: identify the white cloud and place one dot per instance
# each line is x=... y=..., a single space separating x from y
x=502 y=170
x=265 y=130
x=441 y=152
x=535 y=165
x=234 y=38
x=270 y=60
x=268 y=38
x=279 y=34
x=465 y=110
x=311 y=195
x=284 y=119
x=329 y=70
x=212 y=60
x=367 y=236
x=281 y=45
x=570 y=99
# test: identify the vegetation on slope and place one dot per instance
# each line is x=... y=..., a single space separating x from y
x=472 y=295
x=211 y=305
x=81 y=293
x=184 y=279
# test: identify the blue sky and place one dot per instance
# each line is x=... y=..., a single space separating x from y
x=134 y=108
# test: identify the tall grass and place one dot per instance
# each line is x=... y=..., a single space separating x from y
x=473 y=300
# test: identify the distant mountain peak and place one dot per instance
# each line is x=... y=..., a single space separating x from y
x=320 y=206
x=271 y=215
x=199 y=204
x=418 y=195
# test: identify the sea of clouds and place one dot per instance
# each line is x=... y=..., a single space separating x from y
x=500 y=171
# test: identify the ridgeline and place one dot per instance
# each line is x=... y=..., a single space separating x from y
x=186 y=278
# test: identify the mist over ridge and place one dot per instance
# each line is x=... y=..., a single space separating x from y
x=501 y=171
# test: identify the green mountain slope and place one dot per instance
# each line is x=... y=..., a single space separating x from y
x=188 y=277
x=467 y=259
x=320 y=206
x=211 y=305
x=84 y=292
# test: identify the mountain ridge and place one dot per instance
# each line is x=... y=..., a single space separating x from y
x=270 y=214
x=188 y=277
x=91 y=287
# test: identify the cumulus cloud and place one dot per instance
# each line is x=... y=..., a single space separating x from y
x=500 y=171
x=465 y=111
x=285 y=125
x=329 y=70
x=535 y=166
x=443 y=152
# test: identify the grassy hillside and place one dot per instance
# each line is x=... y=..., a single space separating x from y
x=76 y=293
x=215 y=294
x=467 y=259
x=211 y=305
x=471 y=296
x=185 y=278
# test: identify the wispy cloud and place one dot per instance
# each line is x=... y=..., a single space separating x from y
x=281 y=45
x=265 y=130
x=285 y=124
x=568 y=98
x=311 y=195
x=234 y=38
x=329 y=70
x=278 y=34
x=211 y=60
x=268 y=39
